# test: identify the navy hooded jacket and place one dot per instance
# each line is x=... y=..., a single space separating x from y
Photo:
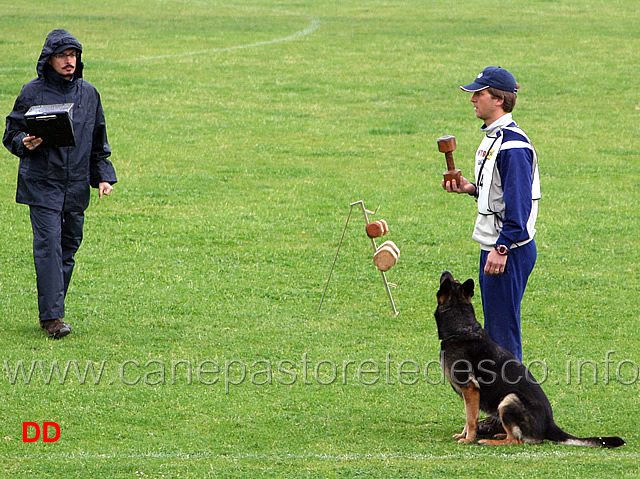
x=60 y=178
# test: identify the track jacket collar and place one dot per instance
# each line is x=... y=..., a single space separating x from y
x=499 y=124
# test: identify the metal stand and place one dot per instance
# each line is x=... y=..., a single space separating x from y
x=365 y=212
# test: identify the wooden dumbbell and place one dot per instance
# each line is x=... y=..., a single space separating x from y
x=377 y=229
x=447 y=145
x=386 y=256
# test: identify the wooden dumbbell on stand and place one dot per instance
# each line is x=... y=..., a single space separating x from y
x=386 y=256
x=447 y=145
x=377 y=229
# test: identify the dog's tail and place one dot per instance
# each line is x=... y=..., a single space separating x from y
x=558 y=435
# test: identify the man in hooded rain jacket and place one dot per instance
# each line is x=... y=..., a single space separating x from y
x=55 y=181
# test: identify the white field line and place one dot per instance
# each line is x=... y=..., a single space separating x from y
x=312 y=27
x=481 y=452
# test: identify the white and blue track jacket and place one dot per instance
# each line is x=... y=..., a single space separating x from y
x=507 y=186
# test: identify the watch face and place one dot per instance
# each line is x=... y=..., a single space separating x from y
x=502 y=249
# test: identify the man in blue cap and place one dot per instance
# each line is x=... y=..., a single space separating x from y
x=507 y=190
x=55 y=181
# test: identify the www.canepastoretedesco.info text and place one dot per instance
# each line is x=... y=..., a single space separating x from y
x=304 y=370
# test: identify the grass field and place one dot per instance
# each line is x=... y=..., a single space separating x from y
x=241 y=133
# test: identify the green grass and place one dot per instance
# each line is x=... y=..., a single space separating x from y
x=241 y=134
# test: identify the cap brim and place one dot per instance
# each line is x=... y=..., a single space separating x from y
x=62 y=48
x=474 y=87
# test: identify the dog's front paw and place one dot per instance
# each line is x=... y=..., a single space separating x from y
x=463 y=434
x=466 y=440
x=465 y=437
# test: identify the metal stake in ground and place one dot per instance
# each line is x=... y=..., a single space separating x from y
x=365 y=212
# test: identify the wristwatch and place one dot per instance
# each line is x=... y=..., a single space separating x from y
x=502 y=249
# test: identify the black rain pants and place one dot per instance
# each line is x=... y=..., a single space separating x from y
x=56 y=238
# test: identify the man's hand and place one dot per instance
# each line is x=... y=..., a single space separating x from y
x=31 y=142
x=104 y=188
x=464 y=187
x=496 y=263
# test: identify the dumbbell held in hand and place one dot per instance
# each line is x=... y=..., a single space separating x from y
x=447 y=145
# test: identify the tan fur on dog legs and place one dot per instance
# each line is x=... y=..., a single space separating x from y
x=471 y=396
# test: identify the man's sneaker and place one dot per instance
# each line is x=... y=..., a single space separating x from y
x=56 y=328
x=490 y=427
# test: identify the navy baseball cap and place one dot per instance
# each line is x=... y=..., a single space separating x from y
x=68 y=46
x=493 y=77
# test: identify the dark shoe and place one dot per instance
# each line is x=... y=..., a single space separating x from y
x=56 y=328
x=490 y=427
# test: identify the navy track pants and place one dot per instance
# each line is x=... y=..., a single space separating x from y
x=502 y=296
x=56 y=238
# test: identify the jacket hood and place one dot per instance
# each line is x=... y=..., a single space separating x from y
x=58 y=41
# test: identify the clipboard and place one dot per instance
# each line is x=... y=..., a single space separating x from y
x=52 y=123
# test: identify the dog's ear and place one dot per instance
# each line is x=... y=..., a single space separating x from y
x=444 y=293
x=467 y=289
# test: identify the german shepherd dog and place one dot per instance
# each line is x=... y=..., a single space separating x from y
x=490 y=378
